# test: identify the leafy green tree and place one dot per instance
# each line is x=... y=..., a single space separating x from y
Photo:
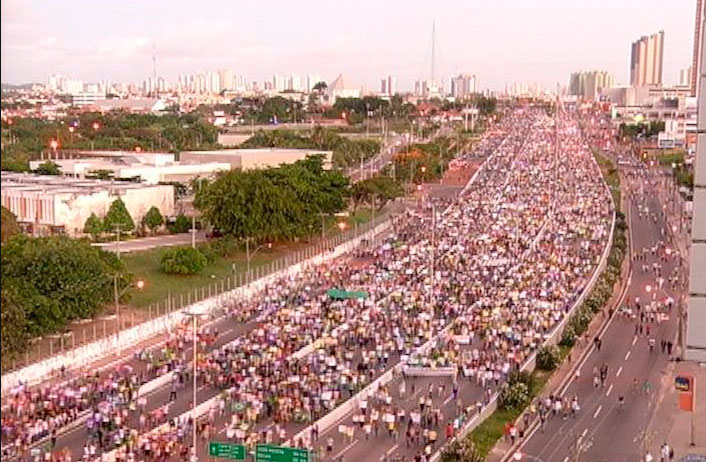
x=10 y=227
x=13 y=323
x=320 y=87
x=153 y=219
x=548 y=358
x=275 y=203
x=93 y=226
x=183 y=261
x=514 y=396
x=48 y=168
x=182 y=224
x=55 y=280
x=118 y=218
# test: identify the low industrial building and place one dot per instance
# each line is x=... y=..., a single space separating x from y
x=146 y=167
x=55 y=204
x=250 y=159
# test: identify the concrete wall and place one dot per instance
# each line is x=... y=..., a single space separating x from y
x=696 y=320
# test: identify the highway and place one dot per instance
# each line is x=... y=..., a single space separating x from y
x=605 y=430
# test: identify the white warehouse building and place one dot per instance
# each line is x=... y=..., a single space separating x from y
x=56 y=204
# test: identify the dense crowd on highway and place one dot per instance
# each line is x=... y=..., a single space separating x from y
x=531 y=238
x=501 y=265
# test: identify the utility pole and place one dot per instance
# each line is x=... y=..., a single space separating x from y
x=193 y=231
x=117 y=239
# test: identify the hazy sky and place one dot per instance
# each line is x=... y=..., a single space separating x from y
x=499 y=40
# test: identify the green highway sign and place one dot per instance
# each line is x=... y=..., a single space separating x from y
x=269 y=453
x=226 y=450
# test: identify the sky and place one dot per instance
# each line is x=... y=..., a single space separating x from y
x=501 y=41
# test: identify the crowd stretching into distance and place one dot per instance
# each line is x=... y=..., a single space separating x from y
x=501 y=264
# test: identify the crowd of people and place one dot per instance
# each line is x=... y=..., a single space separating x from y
x=501 y=264
x=525 y=237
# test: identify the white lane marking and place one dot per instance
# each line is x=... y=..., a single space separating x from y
x=229 y=331
x=634 y=340
x=620 y=369
x=448 y=399
x=344 y=450
x=566 y=459
x=610 y=388
x=598 y=411
x=627 y=355
x=584 y=432
x=392 y=449
x=202 y=387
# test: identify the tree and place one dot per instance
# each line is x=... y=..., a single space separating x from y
x=48 y=168
x=275 y=203
x=93 y=226
x=183 y=261
x=54 y=280
x=10 y=227
x=13 y=323
x=320 y=87
x=182 y=224
x=548 y=358
x=118 y=218
x=153 y=219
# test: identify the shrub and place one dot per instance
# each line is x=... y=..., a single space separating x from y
x=93 y=226
x=153 y=219
x=548 y=358
x=183 y=260
x=514 y=395
x=118 y=218
x=182 y=224
x=462 y=450
x=568 y=337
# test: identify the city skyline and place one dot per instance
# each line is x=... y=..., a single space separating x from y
x=91 y=46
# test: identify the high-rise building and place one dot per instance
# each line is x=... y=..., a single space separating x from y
x=588 y=84
x=388 y=85
x=279 y=83
x=685 y=77
x=463 y=86
x=646 y=60
x=226 y=78
x=698 y=31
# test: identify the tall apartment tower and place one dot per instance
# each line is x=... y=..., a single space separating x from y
x=646 y=60
x=696 y=59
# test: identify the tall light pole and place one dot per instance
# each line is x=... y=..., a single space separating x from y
x=96 y=126
x=247 y=251
x=194 y=312
x=139 y=285
x=54 y=144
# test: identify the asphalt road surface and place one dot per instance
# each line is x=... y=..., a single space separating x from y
x=605 y=430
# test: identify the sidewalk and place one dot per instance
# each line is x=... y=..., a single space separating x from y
x=673 y=426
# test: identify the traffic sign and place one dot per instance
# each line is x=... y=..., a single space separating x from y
x=270 y=453
x=230 y=451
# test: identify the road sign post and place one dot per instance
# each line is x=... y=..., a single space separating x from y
x=270 y=453
x=230 y=451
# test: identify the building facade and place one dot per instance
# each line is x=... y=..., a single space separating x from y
x=463 y=86
x=646 y=60
x=588 y=85
x=53 y=204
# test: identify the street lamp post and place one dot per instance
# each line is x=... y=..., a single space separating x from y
x=139 y=285
x=54 y=144
x=194 y=313
x=95 y=126
x=247 y=251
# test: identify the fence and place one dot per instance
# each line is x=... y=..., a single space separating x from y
x=137 y=325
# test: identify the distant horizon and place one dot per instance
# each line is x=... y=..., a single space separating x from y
x=501 y=43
